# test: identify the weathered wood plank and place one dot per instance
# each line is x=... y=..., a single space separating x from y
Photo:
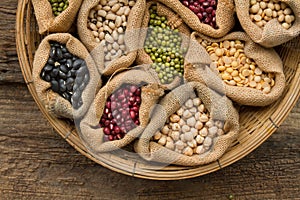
x=36 y=163
x=9 y=66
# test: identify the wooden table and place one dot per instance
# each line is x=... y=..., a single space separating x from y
x=36 y=163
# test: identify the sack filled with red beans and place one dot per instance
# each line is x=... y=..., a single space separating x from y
x=120 y=111
x=214 y=18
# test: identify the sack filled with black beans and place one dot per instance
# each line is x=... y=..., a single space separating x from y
x=110 y=29
x=192 y=125
x=214 y=18
x=55 y=15
x=65 y=76
x=163 y=43
x=120 y=111
x=269 y=22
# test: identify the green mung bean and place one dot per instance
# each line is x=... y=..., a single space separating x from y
x=58 y=6
x=163 y=45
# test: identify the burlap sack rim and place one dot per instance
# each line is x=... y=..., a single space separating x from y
x=49 y=23
x=278 y=70
x=223 y=28
x=50 y=96
x=228 y=138
x=257 y=34
x=96 y=115
x=143 y=34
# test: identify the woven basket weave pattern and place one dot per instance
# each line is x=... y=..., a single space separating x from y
x=256 y=124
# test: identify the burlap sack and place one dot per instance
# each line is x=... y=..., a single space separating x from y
x=53 y=102
x=220 y=108
x=92 y=134
x=224 y=17
x=266 y=59
x=175 y=22
x=47 y=22
x=96 y=49
x=273 y=33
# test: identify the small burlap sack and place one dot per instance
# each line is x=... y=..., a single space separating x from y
x=273 y=33
x=47 y=22
x=220 y=108
x=224 y=17
x=92 y=134
x=97 y=50
x=266 y=59
x=175 y=22
x=54 y=103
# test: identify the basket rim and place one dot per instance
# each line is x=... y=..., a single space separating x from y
x=136 y=169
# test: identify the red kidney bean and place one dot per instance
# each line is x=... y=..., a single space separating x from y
x=121 y=112
x=204 y=9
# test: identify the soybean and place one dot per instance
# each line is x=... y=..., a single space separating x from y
x=262 y=11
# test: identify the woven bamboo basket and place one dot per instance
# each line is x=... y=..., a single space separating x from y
x=257 y=124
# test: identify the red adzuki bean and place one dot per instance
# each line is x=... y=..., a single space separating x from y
x=121 y=112
x=204 y=9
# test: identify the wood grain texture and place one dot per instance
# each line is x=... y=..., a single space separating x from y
x=9 y=66
x=36 y=163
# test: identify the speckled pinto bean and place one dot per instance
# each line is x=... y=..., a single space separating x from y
x=190 y=130
x=262 y=11
x=108 y=22
x=235 y=68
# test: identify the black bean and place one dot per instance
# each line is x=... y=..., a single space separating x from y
x=63 y=68
x=54 y=73
x=43 y=74
x=64 y=60
x=62 y=85
x=67 y=55
x=82 y=86
x=77 y=63
x=48 y=68
x=79 y=80
x=76 y=95
x=54 y=86
x=56 y=45
x=53 y=52
x=75 y=86
x=69 y=83
x=62 y=75
x=47 y=78
x=51 y=61
x=59 y=53
x=81 y=71
x=69 y=63
x=69 y=74
x=86 y=78
x=73 y=72
x=64 y=50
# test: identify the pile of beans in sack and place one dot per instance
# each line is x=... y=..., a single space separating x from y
x=162 y=76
